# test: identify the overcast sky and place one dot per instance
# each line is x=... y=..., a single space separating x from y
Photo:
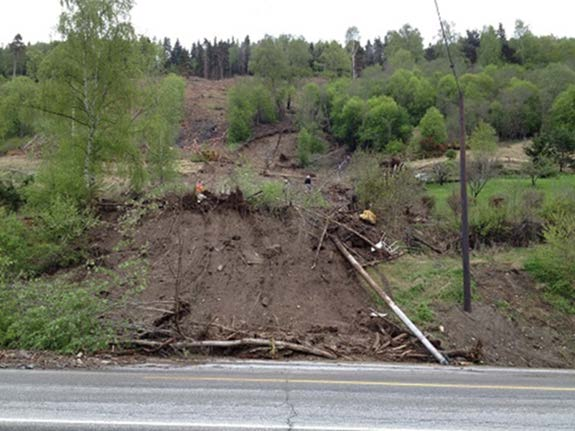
x=190 y=20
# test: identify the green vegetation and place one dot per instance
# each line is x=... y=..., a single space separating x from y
x=551 y=188
x=56 y=315
x=433 y=132
x=552 y=263
x=420 y=284
x=273 y=195
x=308 y=143
x=108 y=105
x=390 y=194
x=250 y=103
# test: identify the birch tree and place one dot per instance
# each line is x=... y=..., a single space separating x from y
x=352 y=44
x=90 y=87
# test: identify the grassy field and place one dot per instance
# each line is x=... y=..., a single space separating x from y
x=421 y=283
x=551 y=187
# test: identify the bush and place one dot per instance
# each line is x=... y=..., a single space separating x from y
x=250 y=102
x=552 y=264
x=12 y=196
x=451 y=154
x=392 y=194
x=433 y=131
x=511 y=218
x=443 y=172
x=42 y=238
x=52 y=316
x=347 y=121
x=308 y=143
x=385 y=121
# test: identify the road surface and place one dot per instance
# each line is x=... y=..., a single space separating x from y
x=288 y=396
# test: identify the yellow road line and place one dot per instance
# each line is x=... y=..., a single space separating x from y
x=360 y=383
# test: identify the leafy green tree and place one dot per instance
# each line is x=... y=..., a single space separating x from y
x=35 y=54
x=516 y=114
x=482 y=166
x=558 y=137
x=489 y=47
x=406 y=38
x=432 y=130
x=269 y=61
x=162 y=127
x=401 y=59
x=540 y=167
x=385 y=121
x=412 y=91
x=249 y=102
x=299 y=58
x=334 y=60
x=312 y=109
x=16 y=116
x=308 y=143
x=90 y=89
x=17 y=48
x=346 y=122
x=551 y=81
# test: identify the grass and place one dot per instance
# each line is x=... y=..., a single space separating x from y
x=12 y=144
x=420 y=283
x=551 y=187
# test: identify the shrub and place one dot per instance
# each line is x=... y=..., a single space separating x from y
x=511 y=218
x=12 y=196
x=443 y=171
x=52 y=316
x=433 y=131
x=250 y=102
x=384 y=122
x=391 y=193
x=308 y=143
x=42 y=238
x=552 y=264
x=451 y=154
x=348 y=120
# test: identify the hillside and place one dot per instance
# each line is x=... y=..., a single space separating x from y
x=232 y=269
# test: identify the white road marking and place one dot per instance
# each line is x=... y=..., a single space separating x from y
x=192 y=425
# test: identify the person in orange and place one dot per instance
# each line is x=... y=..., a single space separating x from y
x=200 y=191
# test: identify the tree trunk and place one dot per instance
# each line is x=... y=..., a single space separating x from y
x=88 y=174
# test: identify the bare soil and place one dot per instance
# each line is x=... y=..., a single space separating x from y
x=512 y=323
x=223 y=270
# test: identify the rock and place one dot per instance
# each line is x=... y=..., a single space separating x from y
x=220 y=268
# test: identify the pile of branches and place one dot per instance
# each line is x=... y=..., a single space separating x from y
x=365 y=241
x=166 y=336
x=381 y=338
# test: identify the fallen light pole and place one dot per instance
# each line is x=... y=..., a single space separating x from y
x=414 y=329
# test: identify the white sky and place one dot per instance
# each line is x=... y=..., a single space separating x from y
x=190 y=20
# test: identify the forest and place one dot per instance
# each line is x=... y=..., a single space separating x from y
x=109 y=118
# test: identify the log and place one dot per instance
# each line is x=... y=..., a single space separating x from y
x=414 y=329
x=244 y=342
x=419 y=238
x=322 y=237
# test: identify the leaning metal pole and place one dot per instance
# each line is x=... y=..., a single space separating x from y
x=462 y=178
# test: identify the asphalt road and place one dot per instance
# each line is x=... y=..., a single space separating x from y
x=284 y=396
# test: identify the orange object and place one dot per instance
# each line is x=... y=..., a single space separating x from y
x=199 y=187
